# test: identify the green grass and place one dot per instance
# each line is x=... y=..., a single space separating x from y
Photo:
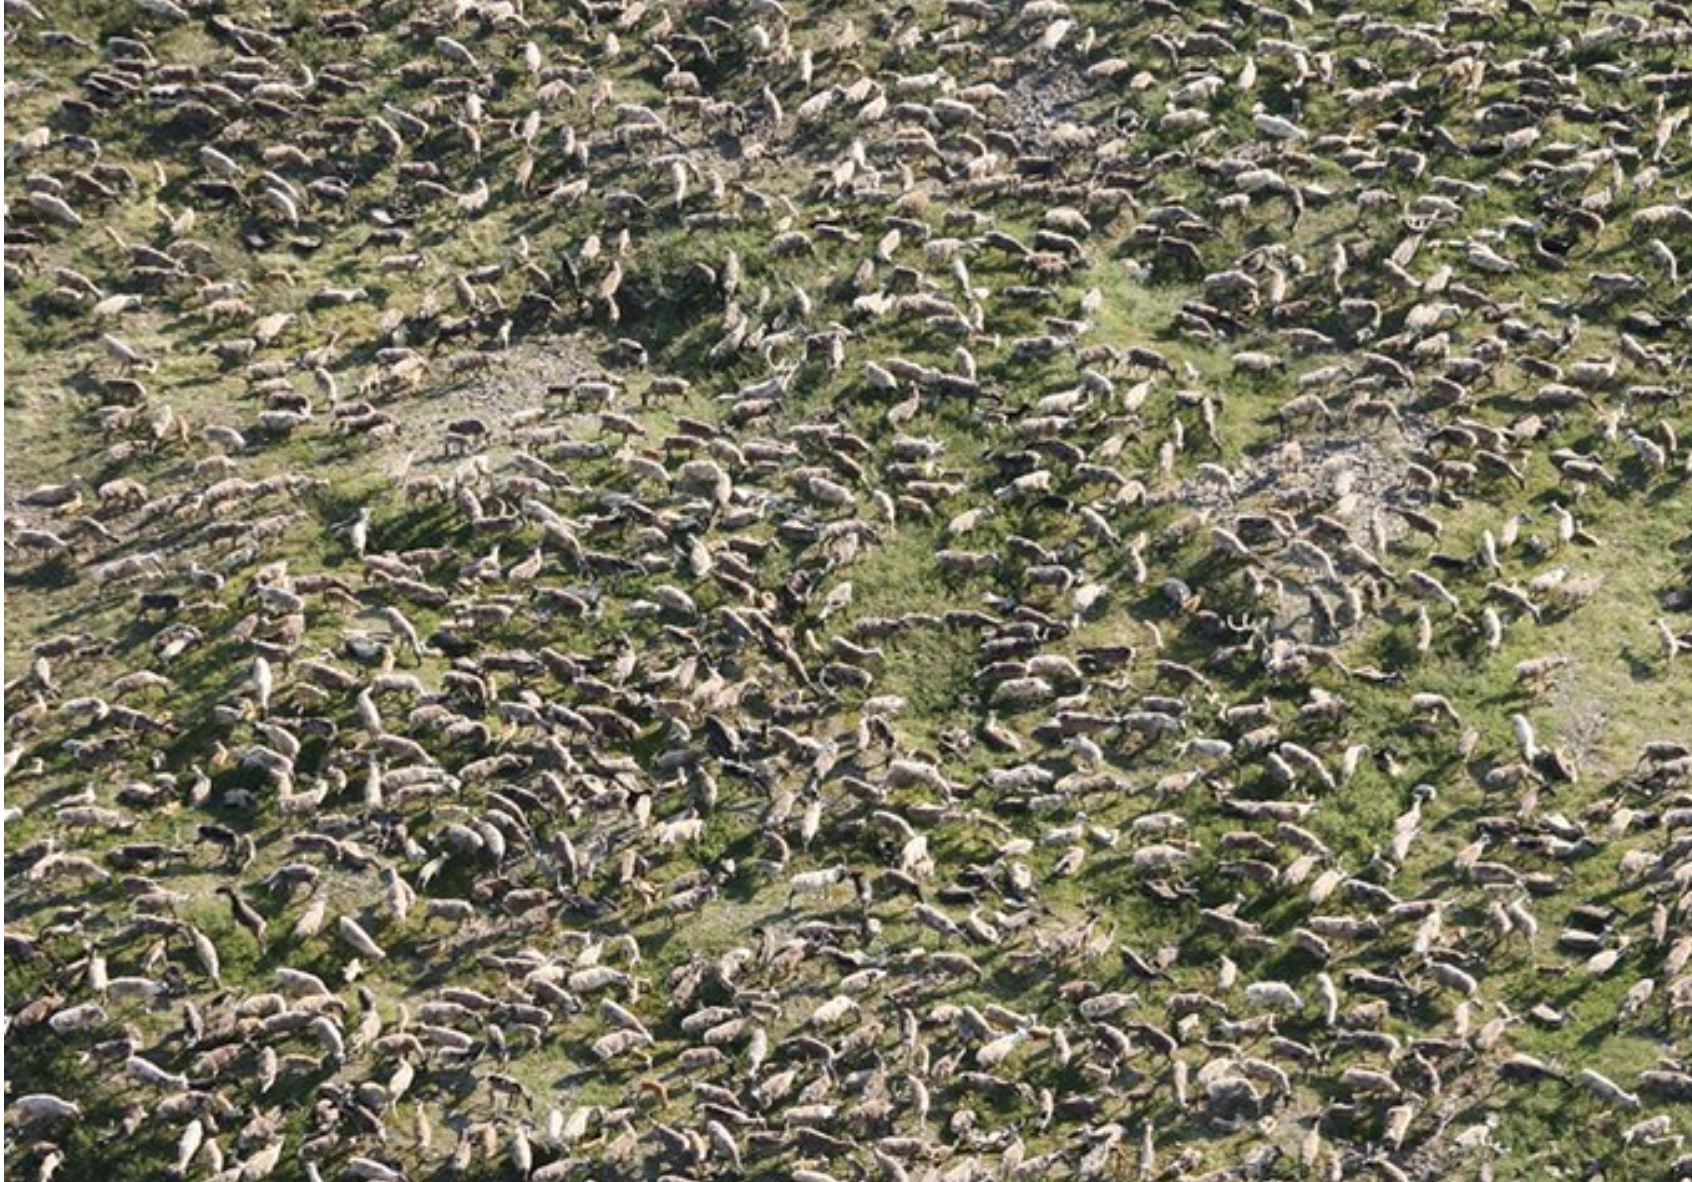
x=1614 y=693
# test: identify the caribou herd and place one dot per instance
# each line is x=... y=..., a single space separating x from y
x=751 y=588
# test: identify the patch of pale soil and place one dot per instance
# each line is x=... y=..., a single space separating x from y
x=523 y=381
x=1039 y=101
x=1356 y=476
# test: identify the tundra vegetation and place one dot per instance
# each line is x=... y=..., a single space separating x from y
x=758 y=588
